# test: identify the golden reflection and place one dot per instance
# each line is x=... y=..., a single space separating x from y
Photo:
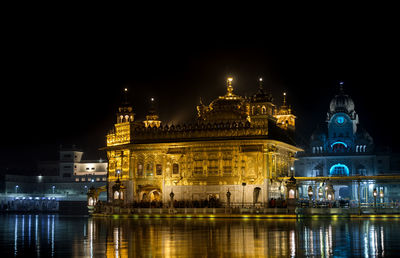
x=50 y=235
x=181 y=237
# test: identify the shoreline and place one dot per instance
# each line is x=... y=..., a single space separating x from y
x=248 y=216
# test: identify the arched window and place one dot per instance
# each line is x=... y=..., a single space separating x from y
x=263 y=110
x=116 y=195
x=339 y=146
x=291 y=194
x=339 y=170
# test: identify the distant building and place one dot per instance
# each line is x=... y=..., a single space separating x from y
x=341 y=149
x=68 y=178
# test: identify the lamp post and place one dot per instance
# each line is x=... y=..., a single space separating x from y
x=243 y=184
x=320 y=193
x=375 y=194
x=310 y=193
x=16 y=188
x=228 y=199
x=381 y=195
x=53 y=187
x=171 y=195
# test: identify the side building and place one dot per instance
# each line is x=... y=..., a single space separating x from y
x=341 y=161
x=237 y=148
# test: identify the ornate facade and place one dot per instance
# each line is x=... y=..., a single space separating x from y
x=241 y=145
x=344 y=150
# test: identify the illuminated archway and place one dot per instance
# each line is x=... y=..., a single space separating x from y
x=339 y=146
x=339 y=170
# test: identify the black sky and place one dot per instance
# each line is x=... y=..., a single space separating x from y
x=62 y=81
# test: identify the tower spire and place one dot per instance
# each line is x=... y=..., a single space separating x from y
x=230 y=88
x=260 y=83
x=284 y=99
x=125 y=94
x=341 y=83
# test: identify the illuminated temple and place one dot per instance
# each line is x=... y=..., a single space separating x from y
x=341 y=161
x=240 y=145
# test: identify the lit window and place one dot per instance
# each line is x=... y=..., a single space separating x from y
x=175 y=168
x=140 y=169
x=339 y=170
x=158 y=169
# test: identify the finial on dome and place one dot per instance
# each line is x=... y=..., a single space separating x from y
x=229 y=88
x=341 y=86
x=125 y=95
x=284 y=99
x=260 y=83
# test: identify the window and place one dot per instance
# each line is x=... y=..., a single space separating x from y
x=263 y=110
x=98 y=179
x=175 y=168
x=149 y=169
x=339 y=146
x=339 y=170
x=83 y=179
x=227 y=166
x=158 y=169
x=104 y=178
x=92 y=168
x=140 y=169
x=76 y=179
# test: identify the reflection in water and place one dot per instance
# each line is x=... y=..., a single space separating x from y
x=55 y=236
x=288 y=238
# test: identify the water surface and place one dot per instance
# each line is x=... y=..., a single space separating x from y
x=61 y=236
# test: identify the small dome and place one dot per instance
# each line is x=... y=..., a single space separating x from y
x=341 y=103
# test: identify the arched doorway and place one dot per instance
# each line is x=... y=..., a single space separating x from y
x=154 y=195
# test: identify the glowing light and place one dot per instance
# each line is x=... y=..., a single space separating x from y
x=152 y=99
x=333 y=144
x=339 y=169
x=126 y=89
x=230 y=79
x=261 y=79
x=340 y=120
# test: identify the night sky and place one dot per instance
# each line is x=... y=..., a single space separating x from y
x=62 y=82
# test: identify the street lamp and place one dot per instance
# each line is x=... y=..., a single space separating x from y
x=310 y=193
x=375 y=194
x=16 y=188
x=171 y=195
x=243 y=184
x=228 y=199
x=53 y=188
x=320 y=193
x=381 y=196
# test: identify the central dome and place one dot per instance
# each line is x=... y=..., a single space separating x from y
x=341 y=103
x=230 y=107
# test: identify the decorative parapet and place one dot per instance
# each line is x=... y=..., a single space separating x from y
x=196 y=131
